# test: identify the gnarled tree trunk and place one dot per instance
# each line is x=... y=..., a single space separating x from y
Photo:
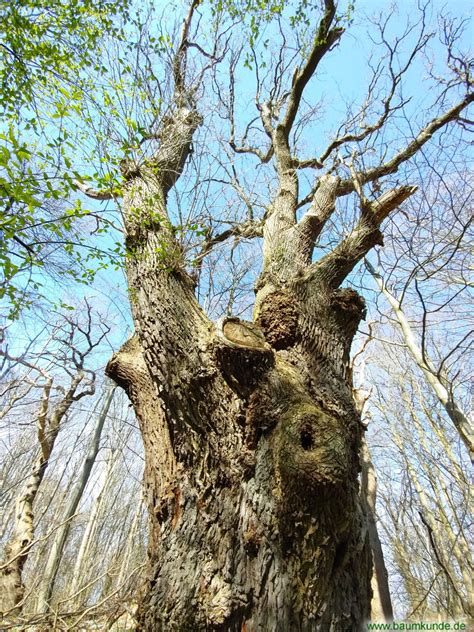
x=250 y=431
x=251 y=441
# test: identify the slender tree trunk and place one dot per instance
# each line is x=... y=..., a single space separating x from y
x=443 y=542
x=130 y=545
x=381 y=606
x=437 y=380
x=57 y=547
x=81 y=573
x=16 y=552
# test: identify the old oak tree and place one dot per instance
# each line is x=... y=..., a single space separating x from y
x=251 y=430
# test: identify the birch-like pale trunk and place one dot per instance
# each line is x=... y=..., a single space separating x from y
x=130 y=546
x=438 y=381
x=60 y=538
x=81 y=574
x=48 y=422
x=381 y=604
x=448 y=544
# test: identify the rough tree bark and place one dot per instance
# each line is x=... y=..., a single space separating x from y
x=256 y=521
x=250 y=429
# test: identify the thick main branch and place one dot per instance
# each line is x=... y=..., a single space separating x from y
x=335 y=266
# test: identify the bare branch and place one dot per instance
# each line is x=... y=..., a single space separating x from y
x=388 y=107
x=335 y=266
x=245 y=230
x=243 y=148
x=347 y=186
x=246 y=149
x=94 y=194
x=324 y=40
x=389 y=201
x=179 y=62
x=439 y=558
x=437 y=379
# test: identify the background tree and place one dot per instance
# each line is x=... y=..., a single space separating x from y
x=48 y=418
x=424 y=331
x=425 y=498
x=110 y=565
x=59 y=541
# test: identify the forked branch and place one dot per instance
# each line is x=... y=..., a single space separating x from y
x=335 y=266
x=180 y=59
x=436 y=378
